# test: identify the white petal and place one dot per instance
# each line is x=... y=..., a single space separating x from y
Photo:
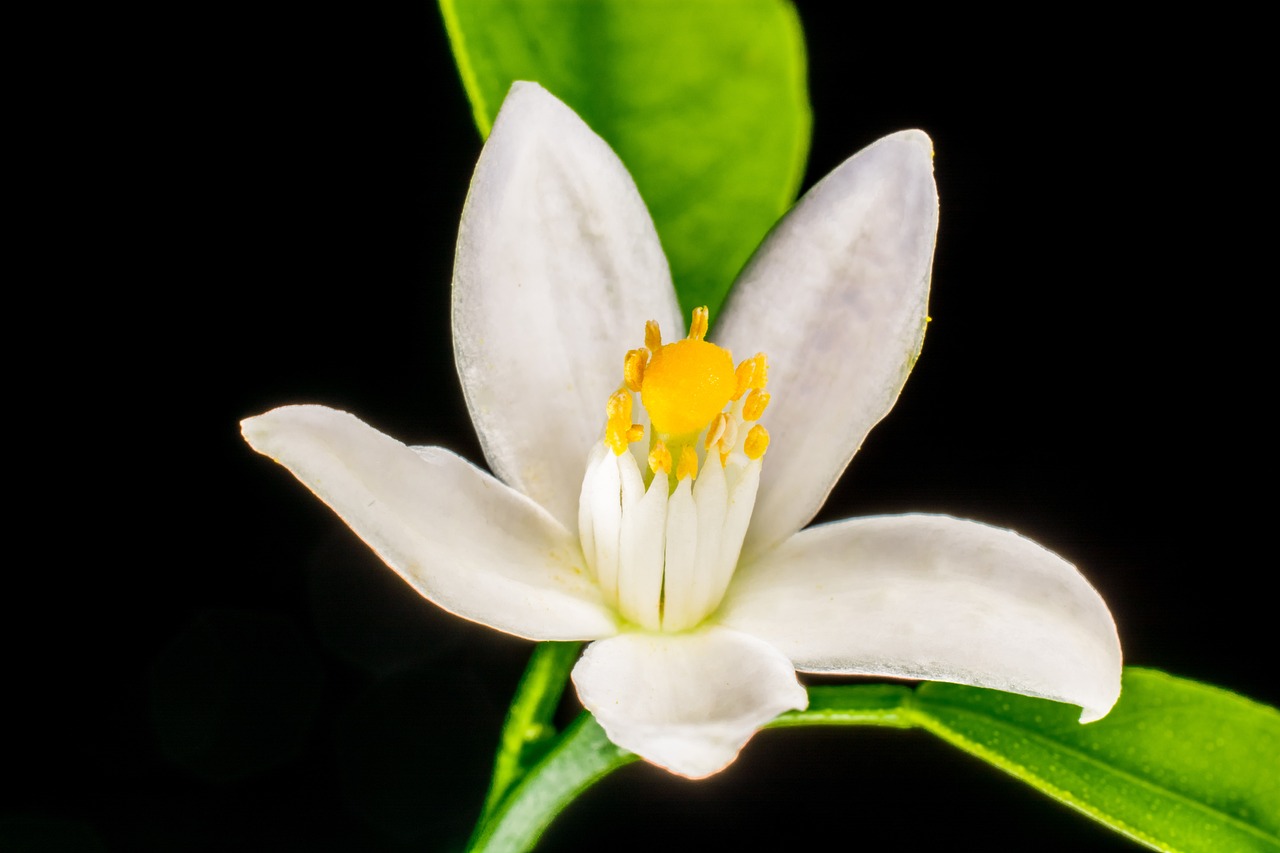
x=461 y=538
x=937 y=598
x=686 y=702
x=558 y=267
x=836 y=298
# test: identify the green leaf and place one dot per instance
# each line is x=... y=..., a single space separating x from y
x=705 y=102
x=853 y=705
x=1177 y=764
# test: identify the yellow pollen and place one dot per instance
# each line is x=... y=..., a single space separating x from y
x=618 y=426
x=660 y=458
x=757 y=442
x=752 y=374
x=686 y=384
x=755 y=405
x=698 y=326
x=688 y=467
x=635 y=432
x=652 y=336
x=633 y=368
x=619 y=406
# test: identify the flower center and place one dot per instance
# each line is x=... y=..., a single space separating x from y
x=686 y=384
x=662 y=528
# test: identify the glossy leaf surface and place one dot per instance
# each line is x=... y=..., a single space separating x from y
x=706 y=104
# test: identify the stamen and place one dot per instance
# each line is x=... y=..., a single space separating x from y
x=755 y=405
x=652 y=336
x=619 y=406
x=635 y=432
x=730 y=435
x=716 y=429
x=660 y=458
x=688 y=467
x=757 y=442
x=698 y=327
x=753 y=373
x=618 y=427
x=633 y=368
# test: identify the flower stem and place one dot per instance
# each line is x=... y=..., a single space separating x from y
x=528 y=731
x=581 y=757
x=515 y=819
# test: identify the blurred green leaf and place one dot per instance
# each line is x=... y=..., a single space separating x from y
x=705 y=102
x=1177 y=764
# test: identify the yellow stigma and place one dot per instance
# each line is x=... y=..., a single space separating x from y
x=757 y=442
x=687 y=383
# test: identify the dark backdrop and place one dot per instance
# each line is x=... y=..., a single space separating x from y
x=228 y=669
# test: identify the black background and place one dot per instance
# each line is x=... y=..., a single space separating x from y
x=226 y=668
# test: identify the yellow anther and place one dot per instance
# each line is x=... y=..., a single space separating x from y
x=633 y=368
x=752 y=374
x=619 y=406
x=617 y=441
x=618 y=426
x=634 y=433
x=660 y=458
x=715 y=430
x=755 y=405
x=698 y=326
x=757 y=442
x=652 y=336
x=686 y=384
x=688 y=467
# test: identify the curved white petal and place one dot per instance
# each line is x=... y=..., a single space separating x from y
x=836 y=298
x=937 y=598
x=686 y=702
x=461 y=538
x=557 y=269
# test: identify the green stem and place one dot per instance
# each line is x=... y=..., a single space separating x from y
x=528 y=731
x=582 y=756
x=854 y=705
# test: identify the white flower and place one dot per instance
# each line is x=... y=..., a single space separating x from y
x=686 y=563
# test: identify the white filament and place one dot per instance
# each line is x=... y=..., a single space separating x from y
x=664 y=561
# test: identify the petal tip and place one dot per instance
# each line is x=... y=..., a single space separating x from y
x=1094 y=711
x=258 y=430
x=914 y=137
